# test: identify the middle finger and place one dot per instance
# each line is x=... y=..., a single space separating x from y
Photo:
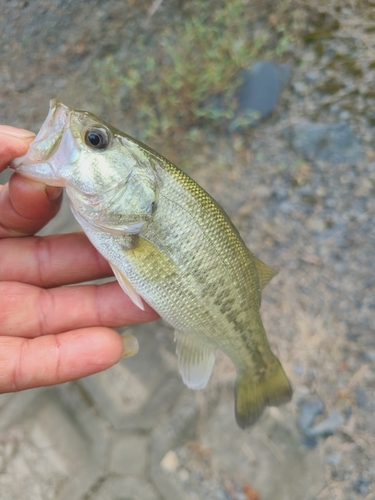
x=28 y=311
x=51 y=261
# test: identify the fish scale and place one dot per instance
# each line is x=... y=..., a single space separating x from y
x=168 y=242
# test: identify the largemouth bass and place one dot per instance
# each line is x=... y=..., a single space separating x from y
x=169 y=243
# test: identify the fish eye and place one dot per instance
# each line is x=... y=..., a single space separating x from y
x=97 y=138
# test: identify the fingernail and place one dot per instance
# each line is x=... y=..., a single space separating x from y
x=53 y=192
x=131 y=346
x=16 y=132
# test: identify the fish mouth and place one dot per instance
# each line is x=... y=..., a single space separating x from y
x=35 y=163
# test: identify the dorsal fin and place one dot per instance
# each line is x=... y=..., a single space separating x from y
x=265 y=273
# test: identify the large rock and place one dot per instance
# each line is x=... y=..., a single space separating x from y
x=333 y=142
x=259 y=92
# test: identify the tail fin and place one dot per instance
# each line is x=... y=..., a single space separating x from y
x=252 y=397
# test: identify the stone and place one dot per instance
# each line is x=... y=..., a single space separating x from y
x=344 y=115
x=334 y=458
x=364 y=187
x=170 y=462
x=333 y=142
x=301 y=88
x=259 y=93
x=315 y=224
x=328 y=426
x=360 y=397
x=361 y=485
x=308 y=411
x=263 y=191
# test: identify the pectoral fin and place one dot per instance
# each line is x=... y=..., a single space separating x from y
x=128 y=287
x=195 y=360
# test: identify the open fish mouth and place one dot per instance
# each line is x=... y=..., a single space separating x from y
x=36 y=163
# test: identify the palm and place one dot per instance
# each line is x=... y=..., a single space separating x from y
x=50 y=333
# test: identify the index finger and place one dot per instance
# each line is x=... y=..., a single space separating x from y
x=13 y=142
x=25 y=205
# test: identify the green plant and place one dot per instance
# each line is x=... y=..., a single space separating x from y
x=174 y=82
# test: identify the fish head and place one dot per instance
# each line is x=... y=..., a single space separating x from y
x=109 y=178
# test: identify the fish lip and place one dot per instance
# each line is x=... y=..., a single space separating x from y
x=34 y=164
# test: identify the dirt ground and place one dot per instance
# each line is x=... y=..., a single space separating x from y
x=310 y=218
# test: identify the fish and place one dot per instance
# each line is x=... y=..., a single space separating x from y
x=168 y=243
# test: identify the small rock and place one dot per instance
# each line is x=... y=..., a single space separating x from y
x=321 y=191
x=361 y=485
x=313 y=76
x=308 y=411
x=280 y=193
x=305 y=191
x=370 y=115
x=183 y=475
x=360 y=397
x=334 y=109
x=300 y=88
x=364 y=187
x=221 y=495
x=286 y=207
x=170 y=461
x=328 y=426
x=369 y=355
x=334 y=458
x=344 y=115
x=333 y=142
x=263 y=191
x=298 y=369
x=250 y=492
x=315 y=224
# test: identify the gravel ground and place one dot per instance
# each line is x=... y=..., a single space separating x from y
x=303 y=200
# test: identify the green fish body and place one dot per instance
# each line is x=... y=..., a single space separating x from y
x=169 y=243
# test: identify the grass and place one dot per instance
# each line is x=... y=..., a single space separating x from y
x=187 y=74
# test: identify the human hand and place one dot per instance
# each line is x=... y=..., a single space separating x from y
x=51 y=333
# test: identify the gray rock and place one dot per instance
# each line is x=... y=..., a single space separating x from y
x=361 y=485
x=259 y=93
x=360 y=397
x=344 y=115
x=328 y=426
x=312 y=76
x=334 y=142
x=300 y=87
x=334 y=458
x=308 y=411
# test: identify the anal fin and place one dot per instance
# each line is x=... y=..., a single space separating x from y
x=195 y=360
x=128 y=287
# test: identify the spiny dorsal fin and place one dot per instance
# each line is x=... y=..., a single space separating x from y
x=265 y=273
x=195 y=360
